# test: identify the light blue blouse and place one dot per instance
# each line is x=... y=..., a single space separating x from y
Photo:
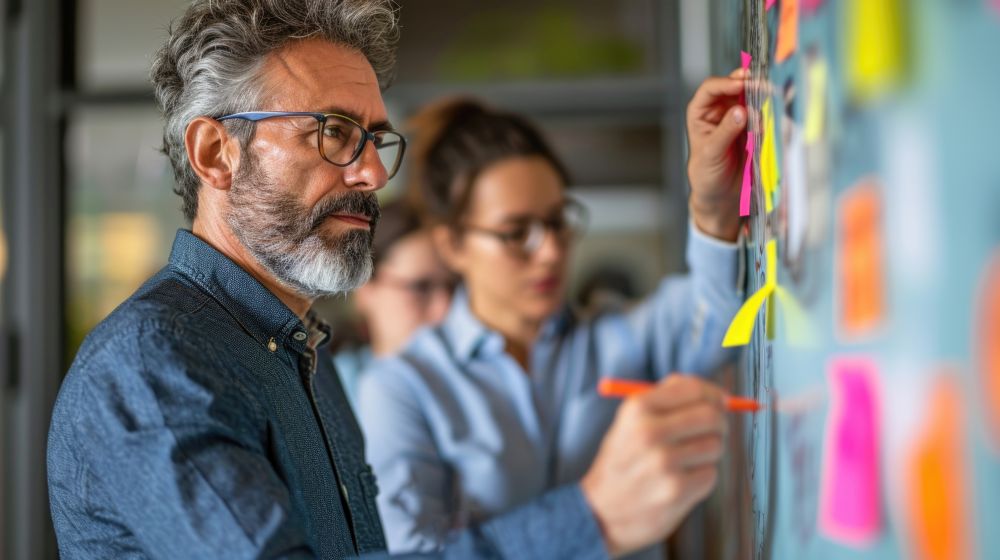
x=458 y=432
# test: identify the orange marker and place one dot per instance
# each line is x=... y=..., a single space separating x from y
x=622 y=388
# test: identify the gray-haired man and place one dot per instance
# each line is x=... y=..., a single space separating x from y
x=200 y=420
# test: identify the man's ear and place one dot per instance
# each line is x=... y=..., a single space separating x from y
x=213 y=153
x=449 y=247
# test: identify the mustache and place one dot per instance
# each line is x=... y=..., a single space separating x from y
x=351 y=203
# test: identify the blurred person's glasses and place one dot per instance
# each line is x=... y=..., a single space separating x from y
x=421 y=289
x=341 y=140
x=527 y=237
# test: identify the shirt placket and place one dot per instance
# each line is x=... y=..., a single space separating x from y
x=307 y=366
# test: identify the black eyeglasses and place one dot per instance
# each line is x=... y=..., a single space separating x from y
x=342 y=139
x=527 y=237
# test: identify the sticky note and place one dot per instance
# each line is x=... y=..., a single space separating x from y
x=816 y=80
x=850 y=489
x=937 y=512
x=860 y=275
x=747 y=176
x=769 y=4
x=874 y=47
x=788 y=30
x=988 y=349
x=769 y=174
x=741 y=328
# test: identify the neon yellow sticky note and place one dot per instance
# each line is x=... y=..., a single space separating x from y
x=874 y=44
x=816 y=106
x=769 y=173
x=741 y=329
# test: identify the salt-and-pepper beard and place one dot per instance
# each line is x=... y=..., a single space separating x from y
x=287 y=238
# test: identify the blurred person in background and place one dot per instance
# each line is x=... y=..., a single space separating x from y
x=410 y=287
x=498 y=405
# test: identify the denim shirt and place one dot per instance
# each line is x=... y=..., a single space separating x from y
x=197 y=422
x=459 y=432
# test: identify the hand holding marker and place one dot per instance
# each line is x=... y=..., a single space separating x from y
x=622 y=388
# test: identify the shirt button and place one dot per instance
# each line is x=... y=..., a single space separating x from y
x=299 y=335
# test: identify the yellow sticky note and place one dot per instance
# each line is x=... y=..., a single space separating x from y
x=769 y=173
x=741 y=329
x=797 y=322
x=874 y=43
x=816 y=107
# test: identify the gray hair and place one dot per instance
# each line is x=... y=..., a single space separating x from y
x=212 y=61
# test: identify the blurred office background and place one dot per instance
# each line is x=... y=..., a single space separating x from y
x=87 y=210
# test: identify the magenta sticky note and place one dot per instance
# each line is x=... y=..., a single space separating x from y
x=747 y=177
x=745 y=59
x=850 y=492
x=769 y=4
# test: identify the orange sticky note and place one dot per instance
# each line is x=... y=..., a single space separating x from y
x=860 y=277
x=988 y=342
x=938 y=517
x=788 y=30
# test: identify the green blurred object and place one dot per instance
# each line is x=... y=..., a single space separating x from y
x=552 y=42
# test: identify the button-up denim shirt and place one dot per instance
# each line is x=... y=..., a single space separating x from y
x=459 y=432
x=197 y=422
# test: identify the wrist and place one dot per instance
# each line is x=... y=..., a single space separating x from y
x=716 y=217
x=590 y=489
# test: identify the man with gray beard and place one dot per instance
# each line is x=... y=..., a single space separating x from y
x=201 y=420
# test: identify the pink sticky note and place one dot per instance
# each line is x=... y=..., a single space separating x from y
x=996 y=5
x=745 y=59
x=849 y=507
x=747 y=177
x=810 y=6
x=769 y=4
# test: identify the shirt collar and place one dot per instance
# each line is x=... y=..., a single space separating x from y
x=468 y=336
x=261 y=314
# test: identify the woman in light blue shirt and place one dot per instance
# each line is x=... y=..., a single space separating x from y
x=497 y=405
